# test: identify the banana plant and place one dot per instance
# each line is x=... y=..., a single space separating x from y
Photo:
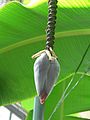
x=22 y=33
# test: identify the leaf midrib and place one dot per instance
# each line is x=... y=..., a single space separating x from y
x=77 y=32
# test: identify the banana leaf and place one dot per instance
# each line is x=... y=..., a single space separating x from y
x=22 y=33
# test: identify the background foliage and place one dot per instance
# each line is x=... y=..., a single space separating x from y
x=22 y=33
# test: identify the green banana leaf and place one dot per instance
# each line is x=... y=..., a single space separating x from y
x=77 y=101
x=22 y=33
